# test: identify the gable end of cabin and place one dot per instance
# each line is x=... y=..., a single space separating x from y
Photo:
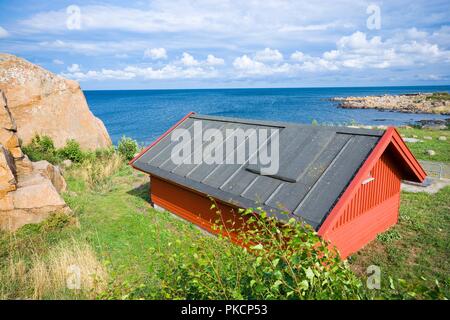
x=374 y=204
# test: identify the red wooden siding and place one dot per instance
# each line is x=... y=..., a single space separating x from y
x=192 y=206
x=373 y=208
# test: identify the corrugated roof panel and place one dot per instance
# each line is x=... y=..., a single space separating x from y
x=261 y=189
x=335 y=178
x=290 y=194
x=169 y=165
x=316 y=165
x=161 y=151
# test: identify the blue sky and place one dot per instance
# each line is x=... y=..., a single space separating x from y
x=224 y=43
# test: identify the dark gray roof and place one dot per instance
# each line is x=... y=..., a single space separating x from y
x=316 y=165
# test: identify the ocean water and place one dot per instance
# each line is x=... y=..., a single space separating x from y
x=146 y=114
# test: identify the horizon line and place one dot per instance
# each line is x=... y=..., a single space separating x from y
x=257 y=88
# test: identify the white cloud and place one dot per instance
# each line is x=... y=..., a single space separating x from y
x=214 y=61
x=211 y=61
x=156 y=53
x=358 y=40
x=268 y=55
x=298 y=56
x=219 y=16
x=3 y=32
x=74 y=68
x=245 y=66
x=188 y=60
x=57 y=61
x=169 y=71
x=315 y=27
x=413 y=33
x=94 y=47
x=357 y=51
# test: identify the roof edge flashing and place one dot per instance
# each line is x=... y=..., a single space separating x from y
x=143 y=151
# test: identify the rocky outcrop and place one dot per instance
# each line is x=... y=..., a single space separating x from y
x=411 y=103
x=41 y=102
x=28 y=191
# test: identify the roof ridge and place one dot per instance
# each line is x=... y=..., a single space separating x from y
x=283 y=124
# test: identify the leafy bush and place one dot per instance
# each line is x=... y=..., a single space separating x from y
x=72 y=151
x=127 y=147
x=42 y=148
x=274 y=261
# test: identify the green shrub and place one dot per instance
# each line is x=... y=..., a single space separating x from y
x=288 y=261
x=127 y=147
x=42 y=148
x=72 y=151
x=57 y=221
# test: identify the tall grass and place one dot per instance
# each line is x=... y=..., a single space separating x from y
x=96 y=173
x=68 y=270
x=69 y=266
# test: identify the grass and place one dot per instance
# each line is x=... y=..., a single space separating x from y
x=127 y=233
x=38 y=260
x=419 y=149
x=122 y=245
x=116 y=237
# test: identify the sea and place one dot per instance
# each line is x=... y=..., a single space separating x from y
x=146 y=114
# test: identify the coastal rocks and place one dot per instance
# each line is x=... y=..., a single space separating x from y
x=41 y=102
x=28 y=191
x=410 y=103
x=434 y=124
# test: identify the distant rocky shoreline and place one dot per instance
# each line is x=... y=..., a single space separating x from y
x=430 y=103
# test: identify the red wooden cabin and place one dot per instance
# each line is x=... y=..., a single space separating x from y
x=345 y=182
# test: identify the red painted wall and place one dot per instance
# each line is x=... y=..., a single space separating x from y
x=372 y=210
x=194 y=207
